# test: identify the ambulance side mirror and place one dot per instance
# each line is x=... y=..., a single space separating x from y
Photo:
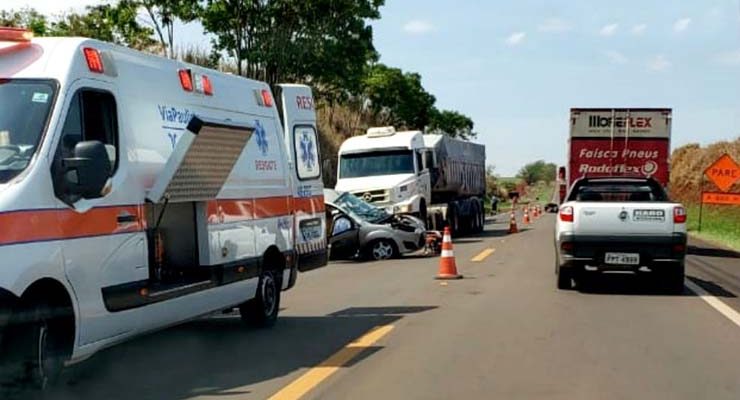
x=86 y=173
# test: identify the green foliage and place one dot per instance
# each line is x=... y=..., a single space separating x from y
x=325 y=43
x=27 y=18
x=111 y=23
x=398 y=97
x=163 y=14
x=537 y=171
x=452 y=123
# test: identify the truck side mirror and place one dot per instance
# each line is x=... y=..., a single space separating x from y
x=86 y=173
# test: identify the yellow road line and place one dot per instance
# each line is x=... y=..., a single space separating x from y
x=313 y=377
x=483 y=255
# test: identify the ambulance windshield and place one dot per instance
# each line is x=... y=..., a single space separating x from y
x=24 y=111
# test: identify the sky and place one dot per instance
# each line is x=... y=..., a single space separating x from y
x=517 y=68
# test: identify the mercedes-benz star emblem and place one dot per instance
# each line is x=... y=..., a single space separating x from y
x=367 y=197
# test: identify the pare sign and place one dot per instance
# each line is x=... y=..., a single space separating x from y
x=724 y=172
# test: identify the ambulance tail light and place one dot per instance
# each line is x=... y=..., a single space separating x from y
x=8 y=34
x=207 y=86
x=94 y=62
x=186 y=80
x=266 y=98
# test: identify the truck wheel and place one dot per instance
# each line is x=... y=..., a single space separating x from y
x=262 y=311
x=382 y=249
x=37 y=343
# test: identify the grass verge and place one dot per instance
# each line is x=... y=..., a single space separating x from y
x=719 y=224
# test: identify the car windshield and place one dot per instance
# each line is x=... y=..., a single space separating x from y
x=376 y=163
x=619 y=192
x=24 y=111
x=360 y=209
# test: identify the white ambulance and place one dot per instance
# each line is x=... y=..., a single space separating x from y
x=138 y=192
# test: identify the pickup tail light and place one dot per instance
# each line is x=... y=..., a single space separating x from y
x=679 y=215
x=566 y=214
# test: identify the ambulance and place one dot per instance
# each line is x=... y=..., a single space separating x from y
x=138 y=192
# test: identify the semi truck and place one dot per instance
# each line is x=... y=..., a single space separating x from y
x=435 y=177
x=617 y=141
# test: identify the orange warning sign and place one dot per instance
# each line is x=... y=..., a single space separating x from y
x=724 y=172
x=721 y=198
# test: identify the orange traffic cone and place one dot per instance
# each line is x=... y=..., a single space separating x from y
x=535 y=213
x=447 y=267
x=526 y=216
x=512 y=223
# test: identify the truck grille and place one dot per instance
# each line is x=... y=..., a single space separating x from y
x=373 y=196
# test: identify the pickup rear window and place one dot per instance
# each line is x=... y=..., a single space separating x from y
x=617 y=192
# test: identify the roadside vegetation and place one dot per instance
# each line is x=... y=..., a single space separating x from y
x=720 y=223
x=325 y=44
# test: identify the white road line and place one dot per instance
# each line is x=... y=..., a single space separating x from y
x=716 y=303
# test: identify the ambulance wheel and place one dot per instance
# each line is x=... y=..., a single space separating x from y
x=38 y=342
x=262 y=310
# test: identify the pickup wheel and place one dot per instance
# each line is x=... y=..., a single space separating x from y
x=674 y=278
x=564 y=275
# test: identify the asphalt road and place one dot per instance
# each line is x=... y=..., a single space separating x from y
x=389 y=330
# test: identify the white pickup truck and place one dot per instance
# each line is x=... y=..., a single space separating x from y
x=620 y=224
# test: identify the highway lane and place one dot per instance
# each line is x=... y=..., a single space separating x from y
x=389 y=330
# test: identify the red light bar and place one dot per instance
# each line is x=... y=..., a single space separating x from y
x=94 y=62
x=267 y=98
x=15 y=34
x=185 y=80
x=207 y=86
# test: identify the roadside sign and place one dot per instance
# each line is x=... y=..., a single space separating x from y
x=724 y=172
x=721 y=198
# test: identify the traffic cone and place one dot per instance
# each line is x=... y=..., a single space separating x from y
x=535 y=213
x=526 y=216
x=512 y=223
x=447 y=267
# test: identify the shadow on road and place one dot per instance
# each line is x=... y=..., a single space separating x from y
x=218 y=356
x=643 y=284
x=712 y=288
x=712 y=252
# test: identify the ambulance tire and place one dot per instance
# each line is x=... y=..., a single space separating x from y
x=37 y=344
x=262 y=310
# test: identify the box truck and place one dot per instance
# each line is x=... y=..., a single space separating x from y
x=137 y=192
x=618 y=142
x=436 y=177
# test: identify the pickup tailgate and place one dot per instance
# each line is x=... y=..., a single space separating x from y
x=635 y=219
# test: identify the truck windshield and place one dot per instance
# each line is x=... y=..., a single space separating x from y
x=24 y=112
x=361 y=209
x=619 y=191
x=376 y=163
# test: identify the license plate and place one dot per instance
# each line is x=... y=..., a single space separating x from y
x=622 y=258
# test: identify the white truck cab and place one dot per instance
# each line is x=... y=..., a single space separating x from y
x=388 y=169
x=137 y=192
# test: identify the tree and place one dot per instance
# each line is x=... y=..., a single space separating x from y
x=111 y=23
x=27 y=18
x=451 y=123
x=163 y=14
x=398 y=97
x=325 y=43
x=537 y=171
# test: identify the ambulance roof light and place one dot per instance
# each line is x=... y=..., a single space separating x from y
x=207 y=85
x=94 y=62
x=15 y=34
x=185 y=80
x=267 y=98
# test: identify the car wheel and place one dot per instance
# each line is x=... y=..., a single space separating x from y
x=262 y=310
x=382 y=250
x=565 y=278
x=37 y=344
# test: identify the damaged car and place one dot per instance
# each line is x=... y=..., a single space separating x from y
x=360 y=230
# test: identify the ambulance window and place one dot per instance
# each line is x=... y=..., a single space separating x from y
x=306 y=152
x=91 y=116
